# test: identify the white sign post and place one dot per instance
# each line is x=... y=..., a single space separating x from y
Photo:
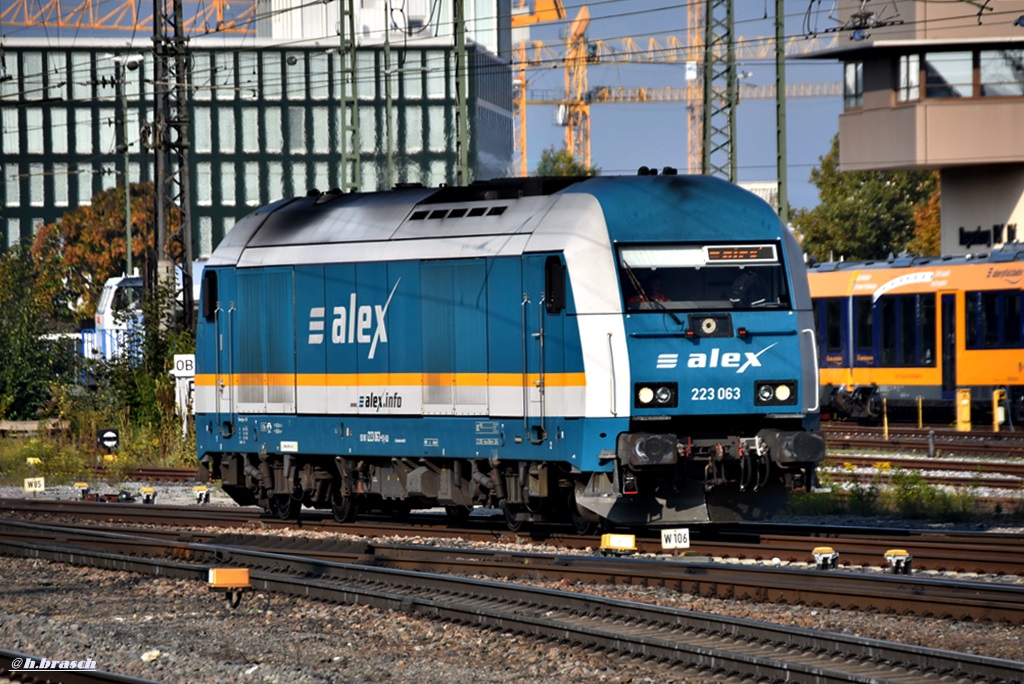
x=678 y=538
x=184 y=372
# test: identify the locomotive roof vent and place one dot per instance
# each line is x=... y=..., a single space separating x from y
x=457 y=212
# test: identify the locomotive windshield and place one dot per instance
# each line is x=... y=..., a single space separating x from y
x=702 y=277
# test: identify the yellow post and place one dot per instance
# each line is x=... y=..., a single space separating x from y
x=885 y=418
x=998 y=412
x=963 y=410
x=920 y=412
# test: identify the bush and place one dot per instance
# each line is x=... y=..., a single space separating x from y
x=56 y=462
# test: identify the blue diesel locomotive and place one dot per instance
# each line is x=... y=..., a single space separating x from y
x=619 y=350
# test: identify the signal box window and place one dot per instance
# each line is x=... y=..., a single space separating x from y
x=949 y=74
x=909 y=88
x=853 y=85
x=1000 y=72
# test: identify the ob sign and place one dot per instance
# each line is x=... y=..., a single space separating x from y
x=184 y=366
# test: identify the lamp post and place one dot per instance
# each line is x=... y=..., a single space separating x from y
x=122 y=64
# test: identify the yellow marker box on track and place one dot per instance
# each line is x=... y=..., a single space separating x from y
x=229 y=578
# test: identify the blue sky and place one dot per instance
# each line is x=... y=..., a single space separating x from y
x=627 y=136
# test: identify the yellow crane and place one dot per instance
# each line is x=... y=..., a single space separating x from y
x=522 y=18
x=127 y=15
x=579 y=52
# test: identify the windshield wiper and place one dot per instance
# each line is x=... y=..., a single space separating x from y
x=644 y=298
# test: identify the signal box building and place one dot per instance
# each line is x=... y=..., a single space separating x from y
x=265 y=116
x=940 y=85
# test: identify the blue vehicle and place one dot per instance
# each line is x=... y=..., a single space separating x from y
x=632 y=351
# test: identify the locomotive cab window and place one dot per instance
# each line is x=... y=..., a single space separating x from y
x=127 y=298
x=701 y=277
x=208 y=294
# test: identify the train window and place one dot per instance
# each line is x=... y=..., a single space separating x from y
x=833 y=336
x=1012 y=328
x=907 y=330
x=990 y=319
x=994 y=320
x=554 y=284
x=973 y=319
x=208 y=294
x=864 y=340
x=927 y=327
x=890 y=330
x=698 y=277
x=127 y=298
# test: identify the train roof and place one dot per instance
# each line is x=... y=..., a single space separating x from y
x=1008 y=252
x=504 y=216
x=998 y=270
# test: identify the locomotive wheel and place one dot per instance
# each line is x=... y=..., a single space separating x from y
x=343 y=508
x=580 y=525
x=510 y=511
x=458 y=513
x=284 y=506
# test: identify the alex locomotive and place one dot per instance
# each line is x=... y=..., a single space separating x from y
x=919 y=329
x=507 y=344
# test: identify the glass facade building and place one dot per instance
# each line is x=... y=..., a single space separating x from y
x=264 y=123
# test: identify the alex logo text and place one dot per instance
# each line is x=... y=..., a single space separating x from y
x=741 y=361
x=353 y=323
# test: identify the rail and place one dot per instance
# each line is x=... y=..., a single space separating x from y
x=721 y=645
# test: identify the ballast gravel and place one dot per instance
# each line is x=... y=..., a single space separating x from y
x=171 y=630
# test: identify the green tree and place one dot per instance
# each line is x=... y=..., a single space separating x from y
x=927 y=238
x=862 y=214
x=78 y=253
x=31 y=364
x=560 y=163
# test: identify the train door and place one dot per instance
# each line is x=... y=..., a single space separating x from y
x=214 y=341
x=948 y=345
x=454 y=314
x=264 y=341
x=543 y=321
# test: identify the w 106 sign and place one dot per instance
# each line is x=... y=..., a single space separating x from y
x=678 y=538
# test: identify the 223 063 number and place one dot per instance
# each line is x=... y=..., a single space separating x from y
x=714 y=394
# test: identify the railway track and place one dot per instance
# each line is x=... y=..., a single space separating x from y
x=727 y=647
x=931 y=440
x=858 y=547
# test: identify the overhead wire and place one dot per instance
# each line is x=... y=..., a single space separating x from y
x=555 y=62
x=369 y=72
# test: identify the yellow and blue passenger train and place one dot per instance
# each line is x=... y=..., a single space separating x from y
x=624 y=350
x=915 y=331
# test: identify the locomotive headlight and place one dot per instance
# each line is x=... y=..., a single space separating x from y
x=660 y=395
x=774 y=392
